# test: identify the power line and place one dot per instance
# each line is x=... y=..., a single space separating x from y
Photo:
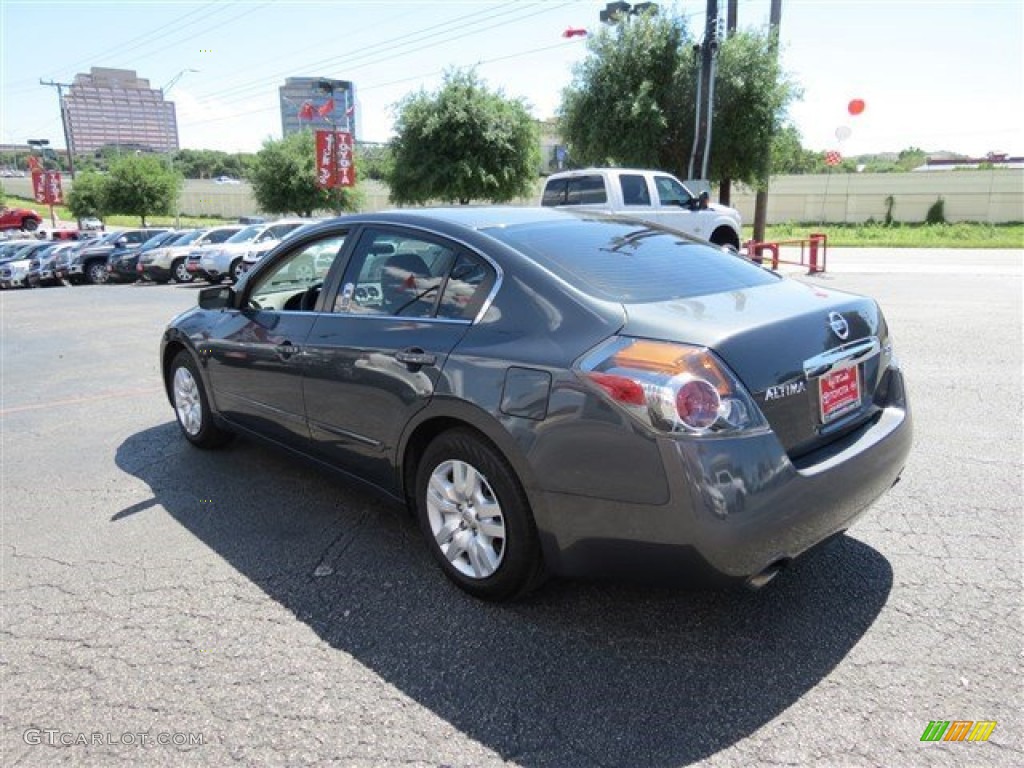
x=121 y=49
x=385 y=50
x=418 y=76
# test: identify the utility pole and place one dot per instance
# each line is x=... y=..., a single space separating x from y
x=64 y=122
x=725 y=185
x=701 y=153
x=761 y=198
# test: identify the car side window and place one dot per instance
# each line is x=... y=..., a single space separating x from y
x=394 y=274
x=671 y=192
x=294 y=283
x=466 y=288
x=634 y=189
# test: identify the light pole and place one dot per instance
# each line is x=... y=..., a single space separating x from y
x=170 y=155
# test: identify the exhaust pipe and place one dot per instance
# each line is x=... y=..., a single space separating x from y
x=760 y=580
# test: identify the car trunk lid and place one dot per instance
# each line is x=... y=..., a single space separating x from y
x=812 y=358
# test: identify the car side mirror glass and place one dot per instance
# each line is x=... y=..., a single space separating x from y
x=217 y=297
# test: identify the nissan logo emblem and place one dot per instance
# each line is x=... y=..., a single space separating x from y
x=838 y=325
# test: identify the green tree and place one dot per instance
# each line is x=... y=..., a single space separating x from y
x=283 y=178
x=462 y=143
x=632 y=101
x=141 y=185
x=373 y=161
x=88 y=195
x=789 y=156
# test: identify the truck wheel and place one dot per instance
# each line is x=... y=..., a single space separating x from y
x=96 y=272
x=726 y=238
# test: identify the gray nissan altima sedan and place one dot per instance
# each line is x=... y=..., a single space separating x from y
x=554 y=392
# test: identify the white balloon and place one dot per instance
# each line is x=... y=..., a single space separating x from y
x=843 y=132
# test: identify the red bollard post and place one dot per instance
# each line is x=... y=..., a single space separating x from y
x=815 y=239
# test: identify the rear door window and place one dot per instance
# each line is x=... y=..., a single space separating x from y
x=577 y=190
x=634 y=189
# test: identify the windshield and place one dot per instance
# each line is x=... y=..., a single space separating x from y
x=187 y=238
x=246 y=235
x=155 y=240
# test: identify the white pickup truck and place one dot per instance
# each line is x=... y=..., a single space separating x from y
x=653 y=196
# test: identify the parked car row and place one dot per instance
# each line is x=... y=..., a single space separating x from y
x=157 y=254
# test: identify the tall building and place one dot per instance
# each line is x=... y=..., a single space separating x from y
x=114 y=107
x=317 y=103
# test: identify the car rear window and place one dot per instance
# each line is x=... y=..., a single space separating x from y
x=576 y=190
x=626 y=261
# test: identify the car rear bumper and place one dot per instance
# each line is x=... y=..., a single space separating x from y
x=767 y=512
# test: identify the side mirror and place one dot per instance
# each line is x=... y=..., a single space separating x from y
x=121 y=242
x=217 y=297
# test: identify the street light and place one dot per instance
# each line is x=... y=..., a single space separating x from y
x=614 y=12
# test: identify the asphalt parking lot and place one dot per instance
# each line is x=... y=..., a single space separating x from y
x=165 y=606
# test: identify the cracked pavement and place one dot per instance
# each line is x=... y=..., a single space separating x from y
x=287 y=617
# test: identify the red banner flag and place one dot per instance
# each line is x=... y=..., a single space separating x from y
x=346 y=166
x=38 y=186
x=326 y=108
x=326 y=160
x=47 y=187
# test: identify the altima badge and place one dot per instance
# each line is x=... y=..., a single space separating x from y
x=785 y=390
x=838 y=325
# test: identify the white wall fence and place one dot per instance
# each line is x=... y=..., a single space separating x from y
x=994 y=196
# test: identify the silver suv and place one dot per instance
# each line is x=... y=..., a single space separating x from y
x=226 y=260
x=162 y=264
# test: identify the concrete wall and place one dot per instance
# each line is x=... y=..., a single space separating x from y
x=994 y=196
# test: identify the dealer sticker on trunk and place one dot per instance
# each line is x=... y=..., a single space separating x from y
x=839 y=392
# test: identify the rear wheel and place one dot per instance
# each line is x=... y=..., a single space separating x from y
x=180 y=272
x=476 y=518
x=191 y=406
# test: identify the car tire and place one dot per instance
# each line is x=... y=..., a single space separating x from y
x=725 y=238
x=29 y=225
x=191 y=406
x=96 y=273
x=476 y=518
x=235 y=270
x=180 y=272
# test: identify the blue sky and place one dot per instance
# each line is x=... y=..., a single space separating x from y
x=936 y=74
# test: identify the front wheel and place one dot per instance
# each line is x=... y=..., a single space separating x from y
x=180 y=271
x=191 y=406
x=29 y=225
x=96 y=273
x=726 y=238
x=236 y=270
x=476 y=518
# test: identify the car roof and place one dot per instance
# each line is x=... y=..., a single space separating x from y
x=473 y=217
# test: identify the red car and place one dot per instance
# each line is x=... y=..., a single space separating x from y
x=19 y=218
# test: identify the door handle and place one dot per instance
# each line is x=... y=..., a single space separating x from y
x=286 y=350
x=415 y=356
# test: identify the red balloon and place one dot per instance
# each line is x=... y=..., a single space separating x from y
x=855 y=107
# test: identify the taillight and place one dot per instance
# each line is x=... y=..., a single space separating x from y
x=676 y=388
